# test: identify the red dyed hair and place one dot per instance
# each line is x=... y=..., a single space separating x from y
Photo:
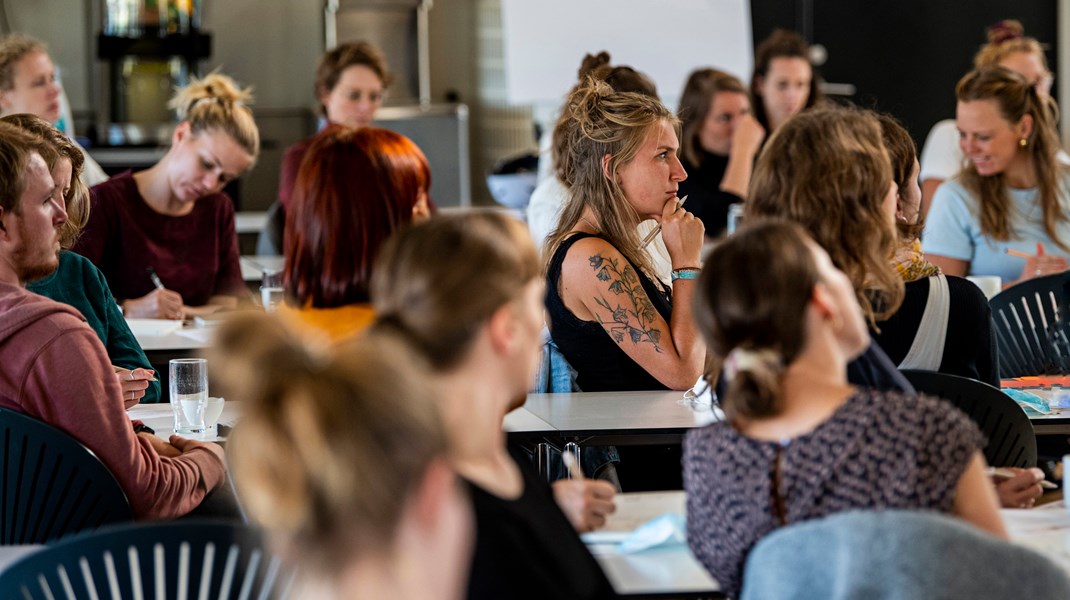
x=355 y=187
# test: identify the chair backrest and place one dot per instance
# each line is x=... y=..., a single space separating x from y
x=1011 y=441
x=896 y=555
x=180 y=559
x=1032 y=335
x=51 y=485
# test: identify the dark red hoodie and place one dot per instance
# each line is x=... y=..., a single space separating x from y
x=53 y=368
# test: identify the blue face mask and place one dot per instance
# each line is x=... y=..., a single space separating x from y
x=1030 y=402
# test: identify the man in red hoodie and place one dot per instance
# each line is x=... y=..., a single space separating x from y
x=54 y=368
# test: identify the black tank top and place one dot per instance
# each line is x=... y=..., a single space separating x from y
x=601 y=365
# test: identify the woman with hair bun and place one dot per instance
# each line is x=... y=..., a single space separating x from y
x=614 y=320
x=465 y=294
x=165 y=237
x=343 y=460
x=798 y=441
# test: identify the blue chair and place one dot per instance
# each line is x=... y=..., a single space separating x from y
x=1011 y=440
x=896 y=555
x=51 y=485
x=181 y=559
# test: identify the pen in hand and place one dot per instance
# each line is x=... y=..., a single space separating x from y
x=155 y=278
x=570 y=457
x=656 y=230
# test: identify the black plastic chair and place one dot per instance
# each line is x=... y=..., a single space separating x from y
x=1011 y=441
x=182 y=559
x=51 y=485
x=1032 y=334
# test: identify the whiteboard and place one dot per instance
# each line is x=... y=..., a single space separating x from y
x=545 y=40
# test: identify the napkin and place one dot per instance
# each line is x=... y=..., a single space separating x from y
x=669 y=529
x=1031 y=403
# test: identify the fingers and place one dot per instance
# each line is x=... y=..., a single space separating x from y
x=1040 y=249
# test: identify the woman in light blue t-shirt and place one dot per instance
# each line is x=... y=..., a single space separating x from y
x=1004 y=214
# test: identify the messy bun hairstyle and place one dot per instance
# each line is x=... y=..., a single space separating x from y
x=437 y=282
x=756 y=326
x=1005 y=38
x=604 y=122
x=328 y=446
x=216 y=103
x=77 y=198
x=621 y=78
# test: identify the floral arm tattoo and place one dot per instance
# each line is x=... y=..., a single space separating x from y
x=633 y=315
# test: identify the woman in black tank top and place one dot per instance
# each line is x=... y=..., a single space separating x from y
x=617 y=326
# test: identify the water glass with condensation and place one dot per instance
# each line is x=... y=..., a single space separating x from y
x=189 y=393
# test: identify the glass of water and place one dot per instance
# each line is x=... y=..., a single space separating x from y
x=189 y=393
x=271 y=290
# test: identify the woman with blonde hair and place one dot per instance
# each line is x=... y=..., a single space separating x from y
x=165 y=237
x=76 y=281
x=799 y=442
x=483 y=349
x=845 y=198
x=615 y=322
x=28 y=84
x=1005 y=213
x=1008 y=46
x=342 y=459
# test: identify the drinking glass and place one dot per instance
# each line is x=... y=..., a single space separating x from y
x=189 y=393
x=271 y=290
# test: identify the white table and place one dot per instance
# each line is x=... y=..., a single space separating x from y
x=651 y=417
x=1045 y=529
x=670 y=571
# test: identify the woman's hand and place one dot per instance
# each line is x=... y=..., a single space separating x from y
x=1042 y=264
x=157 y=304
x=1020 y=491
x=683 y=235
x=747 y=137
x=133 y=383
x=586 y=502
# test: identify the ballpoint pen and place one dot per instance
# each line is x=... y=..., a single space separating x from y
x=570 y=456
x=657 y=229
x=155 y=278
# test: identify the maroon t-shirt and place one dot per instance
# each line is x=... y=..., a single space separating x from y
x=291 y=164
x=195 y=255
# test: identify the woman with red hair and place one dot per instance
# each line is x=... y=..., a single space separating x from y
x=354 y=188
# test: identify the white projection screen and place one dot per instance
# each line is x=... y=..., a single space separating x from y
x=544 y=41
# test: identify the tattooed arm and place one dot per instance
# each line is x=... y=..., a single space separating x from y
x=598 y=284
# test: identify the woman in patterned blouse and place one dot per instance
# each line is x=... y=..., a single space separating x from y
x=798 y=442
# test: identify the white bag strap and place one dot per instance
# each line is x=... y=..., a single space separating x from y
x=927 y=351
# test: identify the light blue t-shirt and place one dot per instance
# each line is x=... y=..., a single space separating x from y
x=953 y=229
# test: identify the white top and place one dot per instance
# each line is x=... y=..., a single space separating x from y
x=953 y=229
x=544 y=211
x=941 y=156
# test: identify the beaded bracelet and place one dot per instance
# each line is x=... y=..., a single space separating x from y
x=688 y=273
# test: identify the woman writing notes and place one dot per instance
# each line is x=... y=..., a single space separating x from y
x=799 y=442
x=165 y=237
x=1005 y=213
x=482 y=349
x=613 y=320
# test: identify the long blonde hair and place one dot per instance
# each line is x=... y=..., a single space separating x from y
x=602 y=122
x=1015 y=98
x=216 y=103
